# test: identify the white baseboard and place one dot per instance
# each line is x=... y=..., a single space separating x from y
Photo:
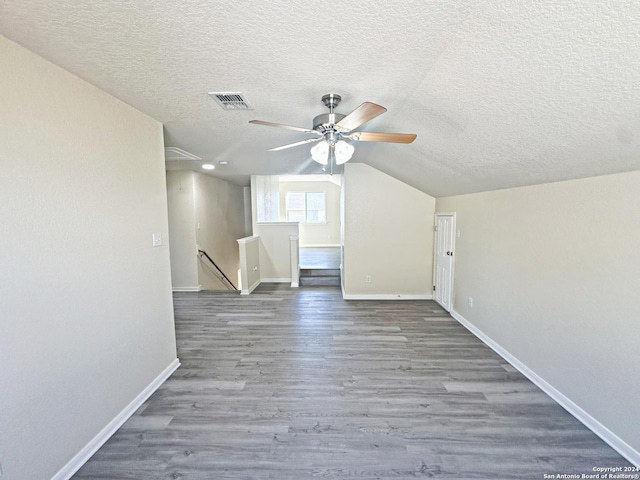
x=587 y=420
x=375 y=296
x=276 y=280
x=188 y=289
x=66 y=472
x=247 y=291
x=294 y=285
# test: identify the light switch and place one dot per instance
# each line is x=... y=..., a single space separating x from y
x=157 y=239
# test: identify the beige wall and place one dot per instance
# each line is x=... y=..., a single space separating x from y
x=388 y=235
x=316 y=234
x=275 y=246
x=248 y=219
x=249 y=264
x=219 y=223
x=86 y=313
x=206 y=213
x=554 y=273
x=275 y=250
x=182 y=221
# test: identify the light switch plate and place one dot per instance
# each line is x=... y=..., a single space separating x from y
x=157 y=239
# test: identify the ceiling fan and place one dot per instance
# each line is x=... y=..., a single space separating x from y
x=333 y=130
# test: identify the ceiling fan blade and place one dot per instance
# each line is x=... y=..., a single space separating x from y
x=309 y=140
x=361 y=115
x=383 y=137
x=289 y=127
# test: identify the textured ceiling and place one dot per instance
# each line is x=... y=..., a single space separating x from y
x=500 y=93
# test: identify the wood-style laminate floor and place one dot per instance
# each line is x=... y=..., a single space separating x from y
x=298 y=384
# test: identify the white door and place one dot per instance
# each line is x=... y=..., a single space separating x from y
x=445 y=236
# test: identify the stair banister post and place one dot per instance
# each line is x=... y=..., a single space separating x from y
x=295 y=260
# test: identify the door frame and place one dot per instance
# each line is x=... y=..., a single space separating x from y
x=435 y=253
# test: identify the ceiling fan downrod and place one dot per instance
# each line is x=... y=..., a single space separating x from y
x=325 y=121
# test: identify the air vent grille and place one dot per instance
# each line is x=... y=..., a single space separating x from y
x=231 y=100
x=175 y=153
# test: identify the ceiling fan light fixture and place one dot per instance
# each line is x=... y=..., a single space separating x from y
x=330 y=128
x=343 y=151
x=320 y=153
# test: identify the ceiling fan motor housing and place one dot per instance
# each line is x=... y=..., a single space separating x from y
x=325 y=121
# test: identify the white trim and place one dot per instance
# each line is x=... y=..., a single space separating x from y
x=247 y=291
x=322 y=245
x=615 y=442
x=244 y=240
x=180 y=155
x=80 y=458
x=385 y=296
x=294 y=285
x=188 y=289
x=276 y=280
x=311 y=178
x=276 y=223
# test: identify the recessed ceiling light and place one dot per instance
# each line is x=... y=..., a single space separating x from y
x=208 y=166
x=223 y=162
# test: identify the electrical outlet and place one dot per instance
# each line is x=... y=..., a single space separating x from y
x=470 y=302
x=367 y=279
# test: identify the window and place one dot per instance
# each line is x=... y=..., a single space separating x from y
x=306 y=207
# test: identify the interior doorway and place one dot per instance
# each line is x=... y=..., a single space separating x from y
x=444 y=255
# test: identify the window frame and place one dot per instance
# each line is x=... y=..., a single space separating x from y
x=306 y=220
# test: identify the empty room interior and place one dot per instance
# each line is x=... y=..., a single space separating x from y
x=279 y=240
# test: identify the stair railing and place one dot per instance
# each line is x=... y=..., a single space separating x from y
x=216 y=270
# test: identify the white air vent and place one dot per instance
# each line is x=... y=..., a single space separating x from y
x=231 y=100
x=175 y=153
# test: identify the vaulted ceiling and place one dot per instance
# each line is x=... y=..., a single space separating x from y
x=500 y=93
